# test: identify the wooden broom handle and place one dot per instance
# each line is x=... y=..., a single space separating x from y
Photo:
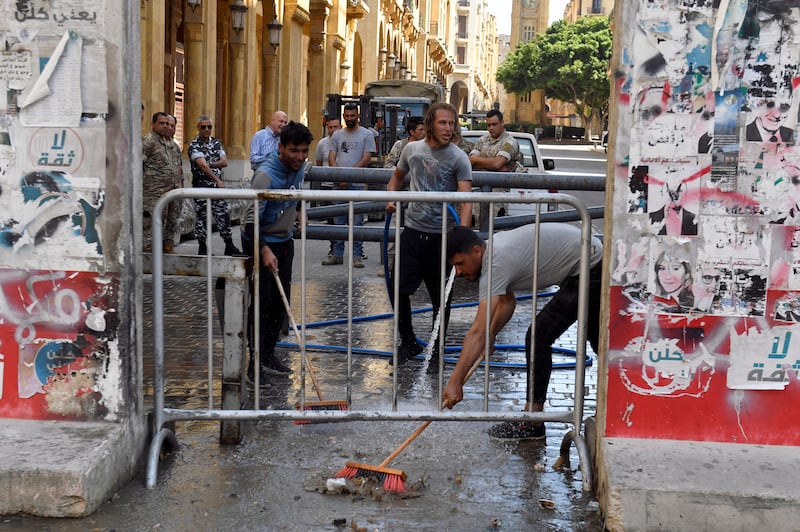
x=424 y=426
x=309 y=367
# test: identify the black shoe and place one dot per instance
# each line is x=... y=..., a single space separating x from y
x=273 y=366
x=232 y=251
x=518 y=430
x=202 y=249
x=408 y=349
x=433 y=363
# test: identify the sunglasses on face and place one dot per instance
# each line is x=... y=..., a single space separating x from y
x=206 y=127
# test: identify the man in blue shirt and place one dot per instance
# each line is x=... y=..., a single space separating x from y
x=281 y=169
x=265 y=141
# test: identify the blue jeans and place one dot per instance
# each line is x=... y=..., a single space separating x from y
x=358 y=221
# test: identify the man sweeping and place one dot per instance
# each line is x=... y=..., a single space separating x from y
x=512 y=270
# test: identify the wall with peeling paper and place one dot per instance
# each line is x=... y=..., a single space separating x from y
x=705 y=248
x=64 y=297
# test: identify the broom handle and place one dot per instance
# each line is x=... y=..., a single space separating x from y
x=424 y=426
x=297 y=334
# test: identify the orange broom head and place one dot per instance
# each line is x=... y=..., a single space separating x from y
x=320 y=405
x=394 y=480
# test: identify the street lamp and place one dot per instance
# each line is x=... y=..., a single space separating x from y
x=275 y=28
x=194 y=4
x=238 y=15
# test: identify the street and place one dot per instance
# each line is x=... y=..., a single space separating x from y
x=575 y=159
x=275 y=479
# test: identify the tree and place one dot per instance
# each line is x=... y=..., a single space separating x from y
x=570 y=62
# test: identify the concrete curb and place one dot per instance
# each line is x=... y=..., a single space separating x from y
x=64 y=468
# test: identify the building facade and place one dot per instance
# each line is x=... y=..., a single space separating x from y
x=528 y=17
x=239 y=61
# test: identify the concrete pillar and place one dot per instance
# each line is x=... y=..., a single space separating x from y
x=152 y=67
x=270 y=57
x=294 y=63
x=317 y=56
x=237 y=135
x=200 y=65
x=73 y=422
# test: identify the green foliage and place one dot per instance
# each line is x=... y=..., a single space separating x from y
x=569 y=61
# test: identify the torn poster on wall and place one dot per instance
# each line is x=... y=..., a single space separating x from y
x=706 y=233
x=56 y=329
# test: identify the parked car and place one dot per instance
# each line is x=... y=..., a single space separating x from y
x=531 y=159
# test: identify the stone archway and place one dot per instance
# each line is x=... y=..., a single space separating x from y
x=459 y=97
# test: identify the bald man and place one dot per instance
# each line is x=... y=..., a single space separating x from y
x=265 y=141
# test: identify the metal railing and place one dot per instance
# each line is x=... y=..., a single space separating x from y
x=164 y=416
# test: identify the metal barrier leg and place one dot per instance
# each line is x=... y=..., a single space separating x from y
x=234 y=339
x=583 y=457
x=161 y=435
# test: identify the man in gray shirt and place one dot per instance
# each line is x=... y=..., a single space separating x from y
x=351 y=146
x=434 y=165
x=512 y=270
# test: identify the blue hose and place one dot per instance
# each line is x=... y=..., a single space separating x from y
x=447 y=349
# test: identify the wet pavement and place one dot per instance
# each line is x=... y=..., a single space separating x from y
x=459 y=478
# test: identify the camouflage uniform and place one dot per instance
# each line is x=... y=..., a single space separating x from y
x=212 y=151
x=466 y=145
x=394 y=153
x=505 y=144
x=161 y=159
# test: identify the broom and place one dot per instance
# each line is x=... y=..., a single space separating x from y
x=322 y=404
x=394 y=480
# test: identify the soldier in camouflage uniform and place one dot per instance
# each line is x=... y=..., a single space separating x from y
x=497 y=151
x=161 y=159
x=416 y=131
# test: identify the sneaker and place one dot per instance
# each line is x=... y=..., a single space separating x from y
x=518 y=430
x=332 y=260
x=357 y=262
x=273 y=366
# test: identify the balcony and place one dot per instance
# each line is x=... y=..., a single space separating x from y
x=357 y=9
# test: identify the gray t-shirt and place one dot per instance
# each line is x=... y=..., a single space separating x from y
x=323 y=147
x=512 y=257
x=350 y=146
x=432 y=170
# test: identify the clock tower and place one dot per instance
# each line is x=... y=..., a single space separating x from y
x=528 y=17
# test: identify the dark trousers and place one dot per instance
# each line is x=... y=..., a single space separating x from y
x=420 y=261
x=553 y=320
x=272 y=313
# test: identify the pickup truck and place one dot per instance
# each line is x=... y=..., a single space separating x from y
x=531 y=159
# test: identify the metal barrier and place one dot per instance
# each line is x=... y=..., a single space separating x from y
x=164 y=416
